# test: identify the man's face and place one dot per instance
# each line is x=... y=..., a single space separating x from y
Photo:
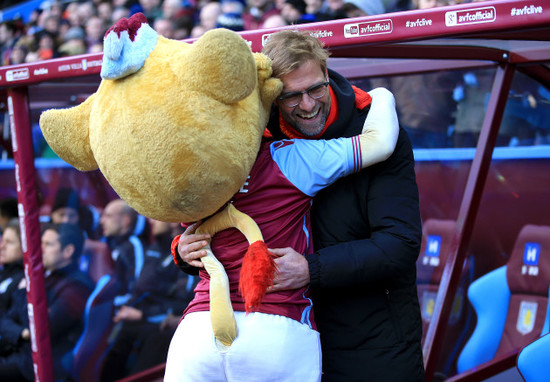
x=65 y=215
x=53 y=257
x=10 y=247
x=310 y=115
x=111 y=220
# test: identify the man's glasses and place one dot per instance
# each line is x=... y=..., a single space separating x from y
x=293 y=99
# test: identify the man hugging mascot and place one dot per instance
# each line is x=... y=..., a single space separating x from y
x=176 y=129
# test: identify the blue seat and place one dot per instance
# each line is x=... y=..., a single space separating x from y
x=511 y=302
x=534 y=360
x=86 y=358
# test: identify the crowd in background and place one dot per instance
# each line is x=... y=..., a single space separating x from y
x=65 y=28
x=78 y=249
x=450 y=113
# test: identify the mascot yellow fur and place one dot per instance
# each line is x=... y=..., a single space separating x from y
x=175 y=129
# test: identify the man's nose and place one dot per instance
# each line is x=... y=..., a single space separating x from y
x=307 y=103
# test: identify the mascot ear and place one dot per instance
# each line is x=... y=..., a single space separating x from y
x=270 y=87
x=227 y=66
x=66 y=131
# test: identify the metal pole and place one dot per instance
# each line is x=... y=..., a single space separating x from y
x=30 y=233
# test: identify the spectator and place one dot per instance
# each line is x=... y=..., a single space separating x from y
x=67 y=291
x=197 y=31
x=293 y=11
x=335 y=9
x=47 y=46
x=176 y=9
x=95 y=30
x=51 y=25
x=66 y=207
x=118 y=222
x=18 y=54
x=150 y=8
x=209 y=15
x=317 y=10
x=425 y=4
x=95 y=260
x=183 y=26
x=428 y=119
x=8 y=211
x=360 y=8
x=523 y=117
x=9 y=34
x=231 y=16
x=164 y=27
x=84 y=12
x=258 y=12
x=72 y=48
x=105 y=12
x=274 y=21
x=11 y=265
x=144 y=325
x=471 y=96
x=119 y=13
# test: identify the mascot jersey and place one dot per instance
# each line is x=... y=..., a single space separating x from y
x=277 y=195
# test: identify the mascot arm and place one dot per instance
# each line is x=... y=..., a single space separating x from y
x=380 y=130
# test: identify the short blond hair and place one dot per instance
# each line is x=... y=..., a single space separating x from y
x=288 y=49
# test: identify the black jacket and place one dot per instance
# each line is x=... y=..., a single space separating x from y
x=67 y=290
x=367 y=233
x=10 y=276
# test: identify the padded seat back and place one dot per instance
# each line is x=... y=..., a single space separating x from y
x=534 y=360
x=98 y=322
x=511 y=302
x=437 y=239
x=96 y=260
x=528 y=278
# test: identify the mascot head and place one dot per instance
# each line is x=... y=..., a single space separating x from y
x=174 y=127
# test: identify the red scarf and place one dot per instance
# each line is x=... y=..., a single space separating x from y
x=362 y=100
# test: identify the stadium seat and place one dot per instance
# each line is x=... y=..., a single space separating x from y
x=88 y=352
x=437 y=241
x=511 y=302
x=534 y=360
x=96 y=260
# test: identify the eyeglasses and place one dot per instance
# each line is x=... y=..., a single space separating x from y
x=293 y=99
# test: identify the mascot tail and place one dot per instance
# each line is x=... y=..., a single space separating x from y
x=257 y=274
x=258 y=268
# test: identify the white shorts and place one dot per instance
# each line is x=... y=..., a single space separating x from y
x=268 y=348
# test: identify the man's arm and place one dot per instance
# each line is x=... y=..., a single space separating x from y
x=395 y=234
x=380 y=129
x=189 y=248
x=378 y=140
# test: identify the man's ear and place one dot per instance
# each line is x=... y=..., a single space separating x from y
x=127 y=223
x=68 y=251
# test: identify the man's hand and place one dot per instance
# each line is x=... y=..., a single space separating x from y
x=128 y=313
x=191 y=244
x=293 y=270
x=26 y=334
